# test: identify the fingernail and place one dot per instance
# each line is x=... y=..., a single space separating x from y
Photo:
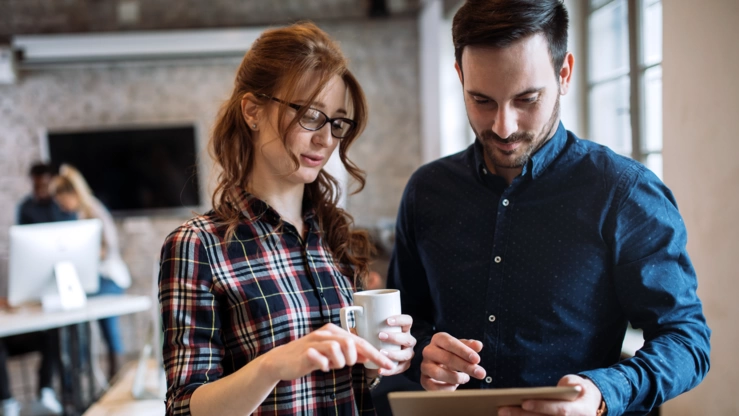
x=527 y=406
x=383 y=336
x=391 y=321
x=379 y=371
x=472 y=357
x=466 y=379
x=384 y=352
x=504 y=412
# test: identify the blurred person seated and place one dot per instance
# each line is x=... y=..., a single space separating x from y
x=71 y=192
x=38 y=207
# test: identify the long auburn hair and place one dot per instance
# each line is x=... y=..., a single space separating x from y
x=276 y=63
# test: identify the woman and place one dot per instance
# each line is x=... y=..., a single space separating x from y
x=71 y=192
x=250 y=292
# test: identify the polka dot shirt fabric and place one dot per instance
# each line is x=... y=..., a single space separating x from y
x=547 y=272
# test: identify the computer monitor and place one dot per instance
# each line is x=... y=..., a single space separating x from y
x=36 y=249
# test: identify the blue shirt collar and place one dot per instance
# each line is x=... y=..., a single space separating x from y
x=538 y=163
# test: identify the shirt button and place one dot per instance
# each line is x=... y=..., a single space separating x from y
x=488 y=379
x=498 y=259
x=491 y=318
x=332 y=396
x=505 y=202
x=484 y=171
x=321 y=293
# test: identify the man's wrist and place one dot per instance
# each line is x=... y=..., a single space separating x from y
x=603 y=409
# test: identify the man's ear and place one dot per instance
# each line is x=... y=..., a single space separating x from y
x=251 y=110
x=565 y=73
x=459 y=72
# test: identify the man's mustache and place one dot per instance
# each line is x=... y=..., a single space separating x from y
x=513 y=138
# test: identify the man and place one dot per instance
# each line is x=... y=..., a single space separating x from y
x=523 y=258
x=38 y=207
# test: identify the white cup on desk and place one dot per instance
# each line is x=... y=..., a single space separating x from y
x=371 y=310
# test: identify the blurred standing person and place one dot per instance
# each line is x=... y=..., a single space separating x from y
x=71 y=192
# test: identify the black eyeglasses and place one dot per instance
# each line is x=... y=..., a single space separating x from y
x=314 y=120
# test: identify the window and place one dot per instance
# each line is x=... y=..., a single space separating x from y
x=624 y=50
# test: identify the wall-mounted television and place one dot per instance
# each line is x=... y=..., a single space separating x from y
x=133 y=170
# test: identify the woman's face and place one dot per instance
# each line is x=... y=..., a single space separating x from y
x=68 y=201
x=312 y=148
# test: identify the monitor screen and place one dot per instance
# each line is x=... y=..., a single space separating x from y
x=133 y=169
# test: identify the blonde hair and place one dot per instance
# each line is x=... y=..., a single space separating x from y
x=276 y=63
x=70 y=180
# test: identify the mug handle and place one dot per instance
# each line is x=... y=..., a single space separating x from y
x=344 y=315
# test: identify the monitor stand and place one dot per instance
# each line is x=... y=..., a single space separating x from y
x=69 y=294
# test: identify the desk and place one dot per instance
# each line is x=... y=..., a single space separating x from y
x=32 y=318
x=74 y=331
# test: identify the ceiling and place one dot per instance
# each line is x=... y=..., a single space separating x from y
x=22 y=17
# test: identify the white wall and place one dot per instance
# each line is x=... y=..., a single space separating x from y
x=701 y=147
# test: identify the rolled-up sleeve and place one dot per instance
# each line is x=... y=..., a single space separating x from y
x=192 y=346
x=656 y=286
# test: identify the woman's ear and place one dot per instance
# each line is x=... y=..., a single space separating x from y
x=251 y=110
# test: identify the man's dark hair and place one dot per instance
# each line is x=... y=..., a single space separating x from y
x=40 y=169
x=499 y=23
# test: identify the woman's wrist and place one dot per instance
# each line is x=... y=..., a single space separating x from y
x=268 y=367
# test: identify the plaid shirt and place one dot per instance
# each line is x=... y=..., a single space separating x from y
x=223 y=305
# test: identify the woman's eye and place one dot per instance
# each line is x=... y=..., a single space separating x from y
x=311 y=115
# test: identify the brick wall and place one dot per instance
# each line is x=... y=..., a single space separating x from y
x=383 y=55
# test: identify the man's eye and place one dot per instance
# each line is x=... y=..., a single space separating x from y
x=478 y=100
x=528 y=100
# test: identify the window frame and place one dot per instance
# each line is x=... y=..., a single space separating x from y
x=637 y=70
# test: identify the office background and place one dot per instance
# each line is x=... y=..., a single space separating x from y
x=700 y=107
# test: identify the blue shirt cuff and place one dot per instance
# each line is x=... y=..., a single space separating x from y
x=614 y=387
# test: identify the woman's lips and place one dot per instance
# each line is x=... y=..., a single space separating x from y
x=312 y=160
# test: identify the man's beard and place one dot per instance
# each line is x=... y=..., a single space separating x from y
x=530 y=143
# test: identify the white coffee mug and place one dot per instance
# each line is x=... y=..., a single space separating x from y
x=371 y=310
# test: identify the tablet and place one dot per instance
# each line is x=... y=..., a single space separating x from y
x=471 y=402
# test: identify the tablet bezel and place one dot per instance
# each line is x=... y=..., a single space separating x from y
x=472 y=402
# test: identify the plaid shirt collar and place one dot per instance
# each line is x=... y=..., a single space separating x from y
x=254 y=209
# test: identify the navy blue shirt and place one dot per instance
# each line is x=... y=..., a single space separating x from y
x=33 y=211
x=547 y=272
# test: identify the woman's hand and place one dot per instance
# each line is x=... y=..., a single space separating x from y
x=327 y=348
x=404 y=339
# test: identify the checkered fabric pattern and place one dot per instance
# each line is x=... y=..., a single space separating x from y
x=224 y=304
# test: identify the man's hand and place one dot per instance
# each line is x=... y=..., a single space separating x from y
x=449 y=362
x=586 y=404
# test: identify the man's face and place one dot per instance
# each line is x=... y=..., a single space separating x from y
x=512 y=99
x=41 y=187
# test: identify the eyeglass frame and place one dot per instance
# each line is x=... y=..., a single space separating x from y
x=326 y=118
